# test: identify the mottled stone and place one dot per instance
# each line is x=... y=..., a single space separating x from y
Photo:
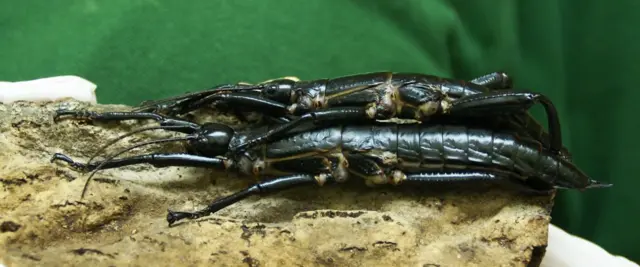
x=121 y=221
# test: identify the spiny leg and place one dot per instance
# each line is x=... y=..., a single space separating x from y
x=454 y=176
x=498 y=103
x=262 y=188
x=158 y=160
x=494 y=80
x=472 y=175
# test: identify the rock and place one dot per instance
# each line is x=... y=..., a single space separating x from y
x=121 y=220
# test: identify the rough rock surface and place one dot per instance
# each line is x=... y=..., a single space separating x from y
x=121 y=221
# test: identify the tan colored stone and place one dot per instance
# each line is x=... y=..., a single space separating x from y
x=122 y=222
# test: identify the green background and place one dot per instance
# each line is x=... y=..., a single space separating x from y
x=582 y=54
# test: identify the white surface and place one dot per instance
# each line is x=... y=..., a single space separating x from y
x=48 y=89
x=566 y=250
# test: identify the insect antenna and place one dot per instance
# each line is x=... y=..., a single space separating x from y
x=110 y=158
x=115 y=140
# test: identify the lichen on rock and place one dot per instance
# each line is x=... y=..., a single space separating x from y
x=121 y=221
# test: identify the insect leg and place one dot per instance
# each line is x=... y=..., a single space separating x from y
x=524 y=123
x=107 y=116
x=277 y=120
x=248 y=101
x=467 y=176
x=371 y=171
x=157 y=160
x=494 y=80
x=459 y=176
x=262 y=188
x=189 y=127
x=499 y=102
x=177 y=105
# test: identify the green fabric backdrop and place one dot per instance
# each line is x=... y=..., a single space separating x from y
x=583 y=54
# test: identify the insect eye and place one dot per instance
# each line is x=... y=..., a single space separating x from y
x=271 y=89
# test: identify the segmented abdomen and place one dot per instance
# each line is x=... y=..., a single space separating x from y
x=418 y=147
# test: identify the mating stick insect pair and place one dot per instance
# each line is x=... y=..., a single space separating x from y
x=320 y=136
x=377 y=96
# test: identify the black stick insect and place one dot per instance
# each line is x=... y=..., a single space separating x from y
x=377 y=96
x=379 y=153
